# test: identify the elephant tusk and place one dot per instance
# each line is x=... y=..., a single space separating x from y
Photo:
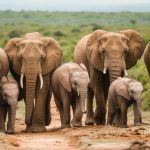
x=41 y=81
x=104 y=71
x=78 y=93
x=21 y=80
x=125 y=72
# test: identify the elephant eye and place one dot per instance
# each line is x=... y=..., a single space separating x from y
x=42 y=57
x=131 y=91
x=103 y=51
x=75 y=82
x=20 y=57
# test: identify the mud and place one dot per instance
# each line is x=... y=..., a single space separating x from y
x=87 y=137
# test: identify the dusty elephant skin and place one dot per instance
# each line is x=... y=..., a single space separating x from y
x=8 y=103
x=32 y=59
x=4 y=64
x=106 y=56
x=69 y=84
x=122 y=93
x=147 y=57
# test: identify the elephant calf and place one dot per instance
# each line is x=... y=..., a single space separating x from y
x=8 y=102
x=122 y=93
x=69 y=85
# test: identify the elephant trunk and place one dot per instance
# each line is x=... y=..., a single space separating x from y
x=30 y=93
x=139 y=111
x=138 y=98
x=13 y=115
x=114 y=73
x=116 y=67
x=40 y=77
x=83 y=97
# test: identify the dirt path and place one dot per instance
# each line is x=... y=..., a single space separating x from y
x=87 y=137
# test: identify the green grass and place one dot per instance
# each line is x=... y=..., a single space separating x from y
x=68 y=28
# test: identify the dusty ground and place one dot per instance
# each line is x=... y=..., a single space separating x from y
x=87 y=137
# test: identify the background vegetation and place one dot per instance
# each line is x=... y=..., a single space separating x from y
x=68 y=28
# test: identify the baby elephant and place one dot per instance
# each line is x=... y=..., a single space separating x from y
x=122 y=93
x=69 y=84
x=8 y=103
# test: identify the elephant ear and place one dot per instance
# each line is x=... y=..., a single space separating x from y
x=147 y=57
x=136 y=47
x=11 y=49
x=53 y=55
x=121 y=90
x=92 y=51
x=64 y=79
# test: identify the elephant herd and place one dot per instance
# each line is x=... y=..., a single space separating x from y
x=100 y=58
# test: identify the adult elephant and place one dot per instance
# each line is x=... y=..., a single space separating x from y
x=4 y=64
x=106 y=56
x=33 y=58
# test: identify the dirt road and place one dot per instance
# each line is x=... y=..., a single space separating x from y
x=87 y=137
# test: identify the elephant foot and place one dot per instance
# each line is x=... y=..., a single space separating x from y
x=28 y=129
x=137 y=124
x=76 y=123
x=123 y=126
x=89 y=121
x=2 y=130
x=99 y=121
x=38 y=128
x=65 y=126
x=10 y=131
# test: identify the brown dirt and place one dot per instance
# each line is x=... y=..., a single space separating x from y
x=87 y=137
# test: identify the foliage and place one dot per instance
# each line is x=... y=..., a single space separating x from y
x=68 y=28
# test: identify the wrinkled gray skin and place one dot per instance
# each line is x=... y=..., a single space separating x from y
x=69 y=85
x=122 y=93
x=107 y=56
x=8 y=102
x=147 y=57
x=32 y=59
x=4 y=64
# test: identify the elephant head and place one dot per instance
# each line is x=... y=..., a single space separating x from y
x=147 y=57
x=31 y=57
x=77 y=80
x=131 y=90
x=9 y=92
x=114 y=52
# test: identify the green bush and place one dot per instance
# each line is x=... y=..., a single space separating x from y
x=69 y=28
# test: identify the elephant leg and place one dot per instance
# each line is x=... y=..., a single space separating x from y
x=66 y=108
x=38 y=119
x=76 y=122
x=89 y=117
x=47 y=108
x=2 y=118
x=9 y=123
x=123 y=122
x=117 y=118
x=111 y=114
x=73 y=104
x=100 y=111
x=59 y=106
